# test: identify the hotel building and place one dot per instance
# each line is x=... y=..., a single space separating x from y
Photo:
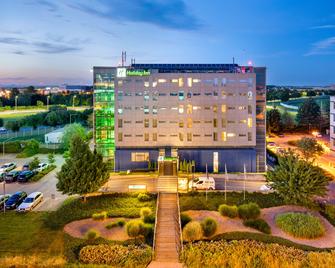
x=332 y=122
x=213 y=114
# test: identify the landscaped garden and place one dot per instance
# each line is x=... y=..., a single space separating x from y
x=39 y=237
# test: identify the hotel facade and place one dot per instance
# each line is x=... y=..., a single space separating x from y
x=212 y=114
x=332 y=123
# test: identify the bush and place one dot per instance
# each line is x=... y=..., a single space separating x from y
x=143 y=197
x=192 y=231
x=99 y=216
x=116 y=255
x=91 y=234
x=147 y=230
x=330 y=211
x=42 y=173
x=149 y=218
x=133 y=228
x=258 y=224
x=229 y=211
x=121 y=222
x=111 y=225
x=301 y=225
x=184 y=219
x=249 y=211
x=209 y=226
x=144 y=212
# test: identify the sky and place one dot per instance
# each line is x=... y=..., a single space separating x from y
x=44 y=42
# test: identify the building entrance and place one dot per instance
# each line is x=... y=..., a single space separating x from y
x=167 y=166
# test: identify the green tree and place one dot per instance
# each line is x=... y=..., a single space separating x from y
x=296 y=180
x=287 y=121
x=34 y=163
x=285 y=95
x=273 y=119
x=83 y=172
x=39 y=103
x=51 y=158
x=13 y=125
x=309 y=147
x=309 y=114
x=31 y=147
x=1 y=122
x=52 y=119
x=70 y=131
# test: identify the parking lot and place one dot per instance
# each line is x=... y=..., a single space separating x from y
x=46 y=185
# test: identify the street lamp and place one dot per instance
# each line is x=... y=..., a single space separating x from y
x=73 y=100
x=16 y=97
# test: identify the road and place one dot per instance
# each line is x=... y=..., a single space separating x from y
x=326 y=161
x=47 y=185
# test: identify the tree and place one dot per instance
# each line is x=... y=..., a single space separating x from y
x=31 y=147
x=34 y=163
x=285 y=95
x=30 y=89
x=273 y=121
x=287 y=121
x=70 y=131
x=52 y=119
x=296 y=180
x=83 y=172
x=51 y=158
x=13 y=125
x=39 y=103
x=311 y=93
x=309 y=147
x=1 y=122
x=309 y=113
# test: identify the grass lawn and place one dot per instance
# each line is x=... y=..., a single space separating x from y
x=15 y=116
x=39 y=138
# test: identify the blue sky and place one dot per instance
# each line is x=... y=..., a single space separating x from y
x=54 y=42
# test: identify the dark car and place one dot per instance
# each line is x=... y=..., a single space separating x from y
x=15 y=200
x=24 y=176
x=3 y=199
x=25 y=167
x=12 y=176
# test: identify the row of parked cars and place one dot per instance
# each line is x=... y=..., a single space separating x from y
x=9 y=174
x=21 y=201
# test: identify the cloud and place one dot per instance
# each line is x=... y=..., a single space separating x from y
x=12 y=41
x=53 y=48
x=50 y=6
x=323 y=47
x=320 y=27
x=169 y=14
x=19 y=52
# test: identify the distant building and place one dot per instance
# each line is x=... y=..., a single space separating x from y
x=54 y=137
x=332 y=122
x=78 y=88
x=208 y=113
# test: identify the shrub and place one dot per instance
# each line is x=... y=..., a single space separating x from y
x=147 y=230
x=99 y=216
x=149 y=218
x=209 y=226
x=144 y=212
x=229 y=211
x=192 y=231
x=133 y=228
x=300 y=224
x=111 y=225
x=258 y=224
x=184 y=219
x=249 y=211
x=116 y=255
x=143 y=197
x=120 y=222
x=92 y=234
x=330 y=211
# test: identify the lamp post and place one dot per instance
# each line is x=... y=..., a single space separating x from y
x=16 y=97
x=73 y=100
x=48 y=97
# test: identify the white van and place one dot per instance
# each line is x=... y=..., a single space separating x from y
x=202 y=183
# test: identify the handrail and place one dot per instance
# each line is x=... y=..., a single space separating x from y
x=155 y=229
x=180 y=230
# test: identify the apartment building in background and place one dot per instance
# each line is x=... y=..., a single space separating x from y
x=213 y=114
x=332 y=123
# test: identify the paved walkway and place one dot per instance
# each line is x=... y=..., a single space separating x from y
x=167 y=232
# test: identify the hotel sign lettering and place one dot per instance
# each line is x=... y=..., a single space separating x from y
x=138 y=73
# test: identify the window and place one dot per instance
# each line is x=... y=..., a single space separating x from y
x=146 y=136
x=207 y=107
x=181 y=109
x=249 y=136
x=146 y=95
x=180 y=82
x=208 y=93
x=223 y=94
x=196 y=108
x=242 y=107
x=215 y=93
x=215 y=136
x=155 y=96
x=224 y=122
x=140 y=156
x=189 y=122
x=120 y=123
x=154 y=84
x=139 y=122
x=154 y=136
x=173 y=94
x=181 y=124
x=231 y=135
x=242 y=135
x=162 y=94
x=216 y=82
x=196 y=80
x=138 y=94
x=161 y=80
x=215 y=122
x=146 y=109
x=154 y=109
x=120 y=110
x=127 y=135
x=231 y=108
x=119 y=136
x=146 y=123
x=189 y=109
x=215 y=108
x=243 y=121
x=189 y=136
x=224 y=136
x=120 y=95
x=189 y=82
x=154 y=123
x=128 y=94
x=174 y=80
x=249 y=122
x=223 y=108
x=181 y=136
x=196 y=94
x=146 y=84
x=249 y=109
x=181 y=95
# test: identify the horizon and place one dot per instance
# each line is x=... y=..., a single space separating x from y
x=48 y=43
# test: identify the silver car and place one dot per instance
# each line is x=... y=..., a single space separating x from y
x=7 y=167
x=30 y=202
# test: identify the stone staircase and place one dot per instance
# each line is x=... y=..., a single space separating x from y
x=167 y=184
x=167 y=245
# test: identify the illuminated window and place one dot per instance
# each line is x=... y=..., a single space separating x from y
x=154 y=109
x=146 y=123
x=181 y=109
x=215 y=122
x=154 y=84
x=189 y=122
x=140 y=156
x=195 y=108
x=189 y=136
x=146 y=84
x=180 y=82
x=223 y=94
x=231 y=135
x=181 y=136
x=146 y=136
x=120 y=110
x=154 y=123
x=119 y=136
x=174 y=80
x=146 y=109
x=154 y=136
x=120 y=123
x=242 y=107
x=215 y=136
x=249 y=122
x=146 y=95
x=189 y=109
x=215 y=108
x=181 y=95
x=196 y=80
x=224 y=136
x=138 y=94
x=223 y=108
x=181 y=124
x=189 y=82
x=224 y=122
x=243 y=121
x=161 y=80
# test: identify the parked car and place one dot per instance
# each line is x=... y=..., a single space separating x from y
x=12 y=176
x=202 y=183
x=265 y=188
x=41 y=166
x=30 y=202
x=3 y=130
x=25 y=167
x=7 y=167
x=15 y=200
x=2 y=176
x=25 y=175
x=3 y=199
